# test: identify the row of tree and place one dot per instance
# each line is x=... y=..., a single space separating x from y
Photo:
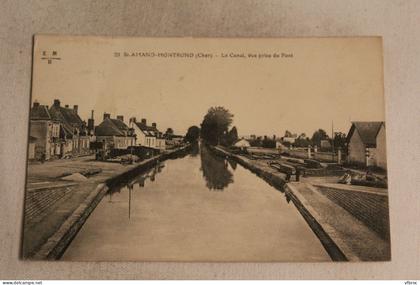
x=319 y=135
x=216 y=129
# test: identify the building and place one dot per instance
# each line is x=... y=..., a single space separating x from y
x=289 y=140
x=242 y=143
x=31 y=147
x=72 y=129
x=44 y=134
x=325 y=145
x=147 y=136
x=367 y=144
x=280 y=146
x=114 y=133
x=172 y=141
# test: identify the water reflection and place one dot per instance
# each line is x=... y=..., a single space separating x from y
x=139 y=179
x=232 y=164
x=215 y=170
x=130 y=189
x=288 y=198
x=195 y=149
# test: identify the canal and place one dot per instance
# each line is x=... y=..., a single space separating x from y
x=199 y=207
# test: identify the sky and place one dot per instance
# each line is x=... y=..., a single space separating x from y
x=325 y=80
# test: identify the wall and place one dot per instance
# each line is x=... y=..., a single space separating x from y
x=369 y=208
x=261 y=150
x=39 y=130
x=356 y=150
x=31 y=151
x=68 y=147
x=84 y=145
x=321 y=156
x=38 y=201
x=324 y=156
x=160 y=143
x=105 y=139
x=299 y=153
x=150 y=142
x=123 y=142
x=381 y=160
x=140 y=136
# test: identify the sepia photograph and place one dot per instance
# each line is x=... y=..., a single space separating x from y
x=207 y=150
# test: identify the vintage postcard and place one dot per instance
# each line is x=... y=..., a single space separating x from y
x=207 y=149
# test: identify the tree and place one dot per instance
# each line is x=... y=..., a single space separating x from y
x=268 y=143
x=169 y=131
x=233 y=134
x=318 y=136
x=215 y=124
x=257 y=142
x=302 y=141
x=215 y=170
x=231 y=137
x=340 y=140
x=287 y=134
x=193 y=134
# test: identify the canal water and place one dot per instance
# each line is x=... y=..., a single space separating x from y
x=196 y=208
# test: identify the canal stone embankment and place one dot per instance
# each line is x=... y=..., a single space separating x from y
x=55 y=211
x=273 y=177
x=39 y=200
x=364 y=203
x=351 y=223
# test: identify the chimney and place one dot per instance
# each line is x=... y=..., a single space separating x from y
x=36 y=104
x=133 y=119
x=143 y=121
x=91 y=122
x=66 y=105
x=107 y=115
x=154 y=125
x=56 y=103
x=120 y=117
x=75 y=109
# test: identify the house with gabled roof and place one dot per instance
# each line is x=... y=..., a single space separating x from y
x=367 y=144
x=73 y=129
x=114 y=133
x=44 y=133
x=147 y=136
x=241 y=143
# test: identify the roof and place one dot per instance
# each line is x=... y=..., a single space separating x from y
x=241 y=141
x=148 y=130
x=39 y=112
x=66 y=116
x=111 y=127
x=120 y=124
x=367 y=132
